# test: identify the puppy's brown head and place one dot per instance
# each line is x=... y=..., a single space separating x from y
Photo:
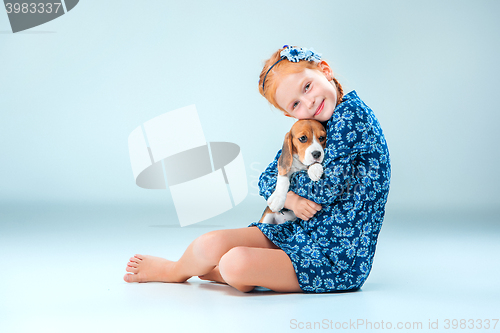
x=306 y=139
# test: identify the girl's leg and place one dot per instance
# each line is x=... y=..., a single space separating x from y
x=271 y=271
x=247 y=267
x=201 y=256
x=213 y=275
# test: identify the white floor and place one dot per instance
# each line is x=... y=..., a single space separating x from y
x=62 y=269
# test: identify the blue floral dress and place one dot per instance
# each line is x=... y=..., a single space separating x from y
x=334 y=249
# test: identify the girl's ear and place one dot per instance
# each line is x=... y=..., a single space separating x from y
x=326 y=69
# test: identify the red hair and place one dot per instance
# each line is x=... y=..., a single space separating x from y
x=280 y=70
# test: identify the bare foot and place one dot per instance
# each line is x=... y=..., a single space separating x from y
x=213 y=275
x=148 y=269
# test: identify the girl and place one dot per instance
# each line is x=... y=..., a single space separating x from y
x=330 y=247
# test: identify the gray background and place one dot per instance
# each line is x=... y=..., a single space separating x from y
x=73 y=89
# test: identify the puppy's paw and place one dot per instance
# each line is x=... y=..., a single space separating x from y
x=315 y=171
x=276 y=202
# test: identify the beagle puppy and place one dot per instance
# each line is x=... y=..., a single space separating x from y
x=303 y=149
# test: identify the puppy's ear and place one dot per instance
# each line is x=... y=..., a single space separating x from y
x=286 y=158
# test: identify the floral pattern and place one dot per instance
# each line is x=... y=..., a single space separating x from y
x=334 y=250
x=294 y=54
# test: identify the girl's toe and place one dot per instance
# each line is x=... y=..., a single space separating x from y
x=131 y=278
x=132 y=269
x=134 y=259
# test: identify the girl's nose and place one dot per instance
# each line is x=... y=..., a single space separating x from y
x=308 y=101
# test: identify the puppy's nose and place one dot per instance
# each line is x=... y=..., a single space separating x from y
x=316 y=154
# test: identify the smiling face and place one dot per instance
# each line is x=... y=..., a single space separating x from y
x=308 y=94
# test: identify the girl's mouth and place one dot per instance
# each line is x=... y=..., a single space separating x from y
x=320 y=108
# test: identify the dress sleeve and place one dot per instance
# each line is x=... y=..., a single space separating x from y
x=337 y=177
x=268 y=178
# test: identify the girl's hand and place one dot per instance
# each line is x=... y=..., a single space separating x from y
x=303 y=208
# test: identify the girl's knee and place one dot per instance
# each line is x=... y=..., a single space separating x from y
x=235 y=265
x=211 y=246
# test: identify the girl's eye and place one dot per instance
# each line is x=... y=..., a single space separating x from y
x=306 y=88
x=303 y=139
x=295 y=105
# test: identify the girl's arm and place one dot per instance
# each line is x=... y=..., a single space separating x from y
x=338 y=176
x=267 y=179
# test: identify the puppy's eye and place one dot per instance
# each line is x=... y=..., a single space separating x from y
x=303 y=139
x=321 y=138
